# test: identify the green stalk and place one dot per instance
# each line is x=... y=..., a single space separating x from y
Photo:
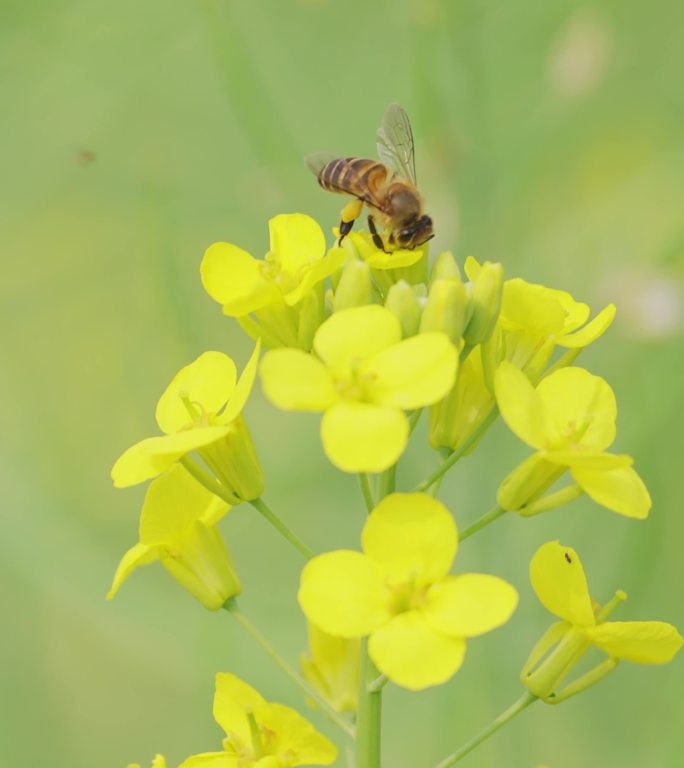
x=261 y=506
x=449 y=462
x=369 y=712
x=256 y=635
x=366 y=490
x=515 y=709
x=489 y=517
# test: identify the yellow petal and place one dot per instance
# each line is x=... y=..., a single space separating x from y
x=558 y=579
x=207 y=383
x=316 y=272
x=240 y=395
x=236 y=280
x=591 y=331
x=172 y=503
x=412 y=536
x=233 y=698
x=155 y=455
x=344 y=594
x=412 y=654
x=296 y=241
x=472 y=268
x=137 y=555
x=532 y=308
x=359 y=437
x=400 y=258
x=590 y=460
x=521 y=407
x=415 y=372
x=644 y=642
x=293 y=736
x=469 y=605
x=352 y=336
x=620 y=490
x=297 y=381
x=576 y=312
x=581 y=410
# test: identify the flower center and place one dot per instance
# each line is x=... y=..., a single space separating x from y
x=406 y=597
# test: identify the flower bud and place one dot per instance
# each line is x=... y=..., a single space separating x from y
x=445 y=266
x=445 y=309
x=332 y=668
x=485 y=298
x=403 y=302
x=416 y=273
x=311 y=314
x=354 y=287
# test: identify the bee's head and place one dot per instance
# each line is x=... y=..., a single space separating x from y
x=414 y=233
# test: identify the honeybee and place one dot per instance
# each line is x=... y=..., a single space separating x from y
x=388 y=187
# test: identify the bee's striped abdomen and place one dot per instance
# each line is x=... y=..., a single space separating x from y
x=353 y=175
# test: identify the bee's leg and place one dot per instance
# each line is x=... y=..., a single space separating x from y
x=350 y=213
x=376 y=237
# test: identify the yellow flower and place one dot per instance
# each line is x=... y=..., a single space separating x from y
x=201 y=411
x=570 y=420
x=279 y=299
x=332 y=668
x=533 y=321
x=260 y=734
x=558 y=578
x=178 y=527
x=363 y=377
x=157 y=762
x=400 y=593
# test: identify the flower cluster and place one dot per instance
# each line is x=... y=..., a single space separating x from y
x=370 y=340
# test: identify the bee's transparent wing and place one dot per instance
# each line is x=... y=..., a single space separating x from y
x=317 y=161
x=395 y=142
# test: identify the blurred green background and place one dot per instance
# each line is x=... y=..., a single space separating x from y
x=133 y=135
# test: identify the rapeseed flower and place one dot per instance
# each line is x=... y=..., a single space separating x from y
x=200 y=411
x=363 y=377
x=178 y=528
x=279 y=299
x=560 y=583
x=260 y=734
x=570 y=420
x=400 y=594
x=532 y=322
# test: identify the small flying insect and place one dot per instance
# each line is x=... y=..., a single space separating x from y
x=388 y=187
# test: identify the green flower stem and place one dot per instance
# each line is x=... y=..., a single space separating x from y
x=261 y=506
x=368 y=716
x=414 y=418
x=489 y=517
x=449 y=462
x=387 y=482
x=515 y=709
x=566 y=359
x=213 y=485
x=254 y=633
x=366 y=490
